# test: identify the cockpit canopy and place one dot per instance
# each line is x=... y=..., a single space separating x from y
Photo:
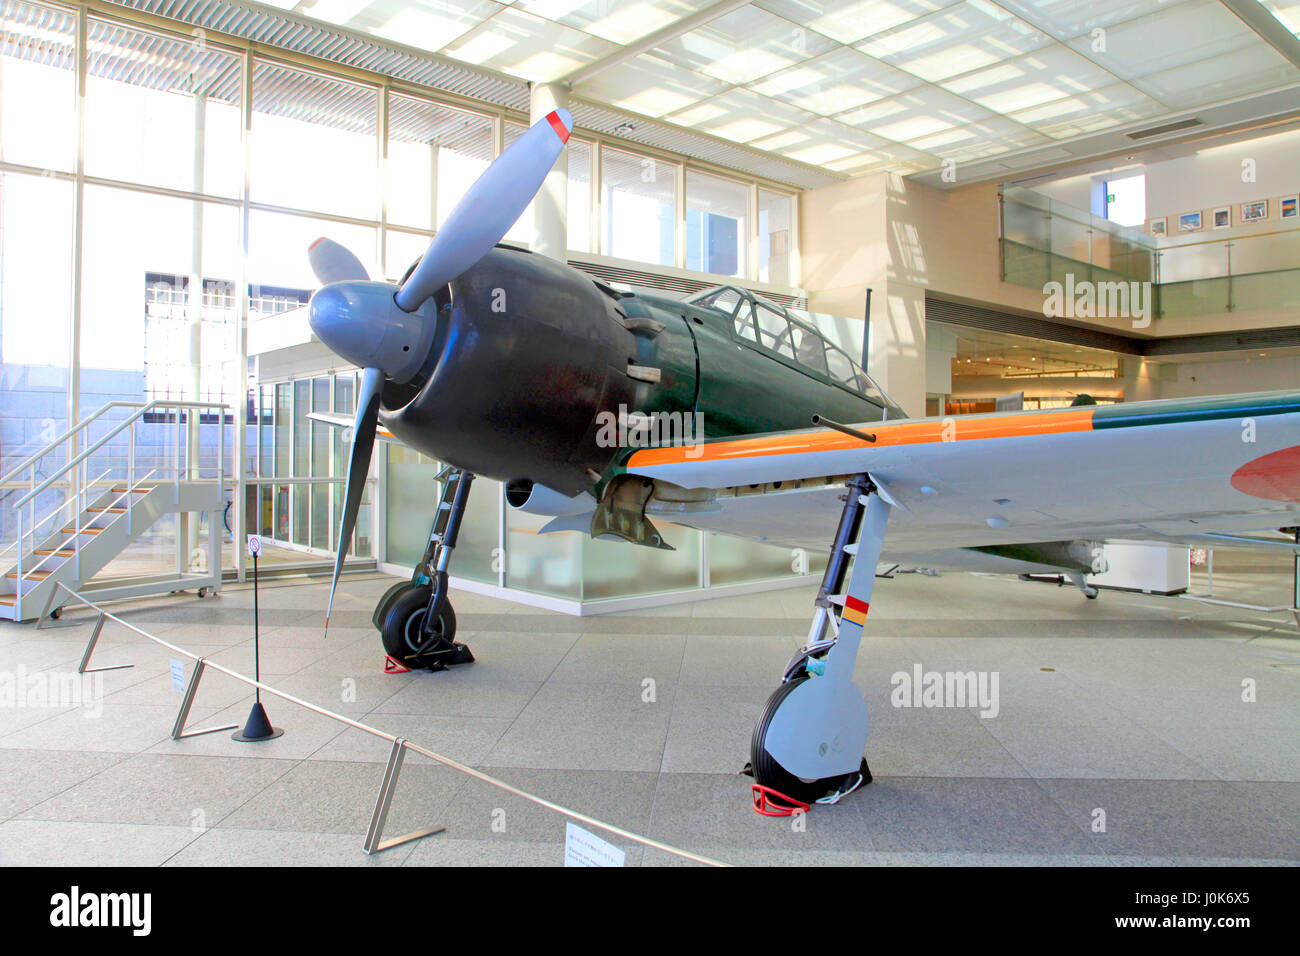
x=775 y=330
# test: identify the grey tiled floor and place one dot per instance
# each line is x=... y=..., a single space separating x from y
x=1128 y=708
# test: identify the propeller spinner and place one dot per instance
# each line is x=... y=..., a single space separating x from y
x=388 y=332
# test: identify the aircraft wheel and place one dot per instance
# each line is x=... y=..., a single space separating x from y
x=385 y=603
x=763 y=765
x=402 y=628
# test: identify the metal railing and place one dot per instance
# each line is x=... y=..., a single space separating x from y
x=1044 y=240
x=374 y=841
x=72 y=480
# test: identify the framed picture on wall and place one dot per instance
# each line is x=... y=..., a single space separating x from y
x=1254 y=211
x=1190 y=222
x=1290 y=206
x=1157 y=227
x=1221 y=218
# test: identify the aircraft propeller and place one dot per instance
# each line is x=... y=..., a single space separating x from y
x=368 y=329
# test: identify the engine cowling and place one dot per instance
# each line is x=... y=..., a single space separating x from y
x=526 y=353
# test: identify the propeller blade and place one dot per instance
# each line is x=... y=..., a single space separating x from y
x=363 y=442
x=488 y=210
x=333 y=263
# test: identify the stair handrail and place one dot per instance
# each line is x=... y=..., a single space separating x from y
x=75 y=537
x=37 y=523
x=140 y=413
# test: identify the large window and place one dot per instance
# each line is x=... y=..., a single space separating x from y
x=775 y=237
x=35 y=305
x=140 y=293
x=38 y=124
x=191 y=190
x=579 y=199
x=464 y=151
x=717 y=224
x=175 y=124
x=639 y=200
x=435 y=153
x=313 y=143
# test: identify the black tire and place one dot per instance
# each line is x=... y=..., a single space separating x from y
x=763 y=765
x=385 y=603
x=402 y=624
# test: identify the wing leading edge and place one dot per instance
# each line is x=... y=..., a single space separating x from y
x=1162 y=470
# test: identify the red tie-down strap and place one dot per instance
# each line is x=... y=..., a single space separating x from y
x=774 y=803
x=392 y=666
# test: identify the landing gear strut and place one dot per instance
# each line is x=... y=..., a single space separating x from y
x=809 y=741
x=415 y=618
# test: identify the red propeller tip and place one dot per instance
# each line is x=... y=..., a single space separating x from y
x=557 y=124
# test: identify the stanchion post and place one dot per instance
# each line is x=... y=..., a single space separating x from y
x=90 y=649
x=257 y=643
x=374 y=842
x=178 y=729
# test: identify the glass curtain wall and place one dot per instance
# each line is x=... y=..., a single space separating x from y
x=208 y=170
x=501 y=546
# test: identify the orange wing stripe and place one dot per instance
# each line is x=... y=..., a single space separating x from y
x=903 y=433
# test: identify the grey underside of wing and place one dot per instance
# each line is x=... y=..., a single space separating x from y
x=1163 y=484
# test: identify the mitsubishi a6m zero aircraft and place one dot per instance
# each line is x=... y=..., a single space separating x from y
x=507 y=364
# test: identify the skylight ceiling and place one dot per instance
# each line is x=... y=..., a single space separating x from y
x=857 y=86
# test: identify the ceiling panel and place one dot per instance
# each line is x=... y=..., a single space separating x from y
x=1089 y=111
x=618 y=21
x=991 y=137
x=528 y=47
x=650 y=86
x=924 y=104
x=1189 y=33
x=430 y=25
x=955 y=40
x=742 y=116
x=1065 y=19
x=1207 y=81
x=743 y=46
x=835 y=82
x=855 y=20
x=1032 y=80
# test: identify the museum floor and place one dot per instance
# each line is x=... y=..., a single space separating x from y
x=1130 y=704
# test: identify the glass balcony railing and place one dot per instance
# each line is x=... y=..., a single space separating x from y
x=1045 y=240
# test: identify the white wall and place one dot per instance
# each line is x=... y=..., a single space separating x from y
x=1248 y=373
x=940 y=350
x=1213 y=177
x=1074 y=191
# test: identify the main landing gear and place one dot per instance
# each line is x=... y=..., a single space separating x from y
x=807 y=746
x=415 y=618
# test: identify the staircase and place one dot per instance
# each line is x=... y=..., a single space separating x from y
x=97 y=519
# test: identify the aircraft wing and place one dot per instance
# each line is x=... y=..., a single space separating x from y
x=1171 y=470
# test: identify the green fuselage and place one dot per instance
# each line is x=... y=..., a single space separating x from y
x=734 y=385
